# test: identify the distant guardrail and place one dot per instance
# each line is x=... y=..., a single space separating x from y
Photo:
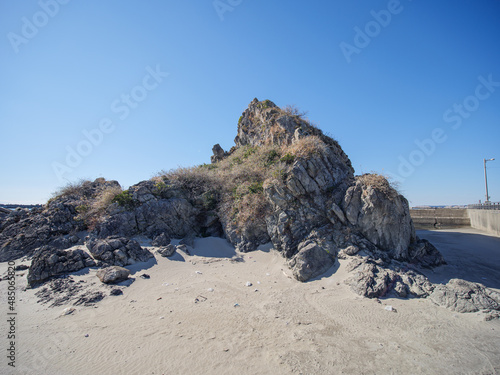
x=485 y=206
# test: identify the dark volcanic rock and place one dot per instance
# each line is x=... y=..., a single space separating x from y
x=59 y=291
x=425 y=254
x=118 y=251
x=49 y=262
x=55 y=225
x=308 y=199
x=167 y=251
x=116 y=292
x=153 y=209
x=161 y=240
x=90 y=299
x=218 y=155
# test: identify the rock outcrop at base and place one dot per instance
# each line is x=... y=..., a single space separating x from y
x=49 y=262
x=117 y=251
x=373 y=278
x=283 y=181
x=310 y=261
x=465 y=296
x=167 y=251
x=54 y=225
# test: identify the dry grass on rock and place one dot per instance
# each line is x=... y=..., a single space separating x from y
x=380 y=183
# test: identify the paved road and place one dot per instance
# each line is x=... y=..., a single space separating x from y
x=471 y=255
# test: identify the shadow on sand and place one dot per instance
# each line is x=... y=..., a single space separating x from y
x=469 y=256
x=141 y=266
x=333 y=269
x=213 y=247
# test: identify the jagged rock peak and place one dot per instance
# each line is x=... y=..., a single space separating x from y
x=264 y=123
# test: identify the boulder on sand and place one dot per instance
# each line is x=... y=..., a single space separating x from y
x=113 y=274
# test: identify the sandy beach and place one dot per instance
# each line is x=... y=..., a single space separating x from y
x=218 y=312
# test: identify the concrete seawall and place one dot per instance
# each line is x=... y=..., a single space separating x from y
x=487 y=220
x=440 y=218
x=449 y=218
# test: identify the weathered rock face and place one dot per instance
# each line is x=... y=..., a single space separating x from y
x=218 y=155
x=381 y=215
x=49 y=262
x=117 y=251
x=151 y=209
x=425 y=254
x=310 y=261
x=265 y=123
x=166 y=251
x=161 y=240
x=465 y=296
x=308 y=198
x=113 y=274
x=55 y=225
x=373 y=279
x=246 y=239
x=4 y=212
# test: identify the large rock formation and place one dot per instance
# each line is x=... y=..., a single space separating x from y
x=283 y=181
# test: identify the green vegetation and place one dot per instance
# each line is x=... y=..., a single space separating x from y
x=92 y=199
x=234 y=187
x=82 y=209
x=237 y=161
x=267 y=104
x=272 y=157
x=209 y=166
x=249 y=151
x=124 y=199
x=209 y=199
x=256 y=188
x=288 y=158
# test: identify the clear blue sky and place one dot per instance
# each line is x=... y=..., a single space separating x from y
x=420 y=69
